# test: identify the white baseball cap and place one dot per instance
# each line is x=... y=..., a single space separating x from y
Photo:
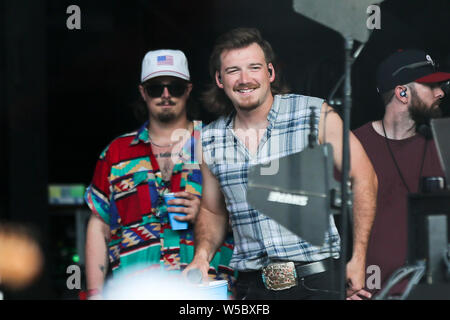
x=165 y=62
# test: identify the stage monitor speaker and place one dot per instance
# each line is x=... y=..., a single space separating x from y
x=428 y=226
x=441 y=134
x=300 y=195
x=437 y=246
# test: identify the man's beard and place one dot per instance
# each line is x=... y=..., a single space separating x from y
x=420 y=113
x=166 y=115
x=250 y=107
x=255 y=104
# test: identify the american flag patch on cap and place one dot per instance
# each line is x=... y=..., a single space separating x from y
x=164 y=60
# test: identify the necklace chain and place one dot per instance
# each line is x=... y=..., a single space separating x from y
x=395 y=161
x=161 y=146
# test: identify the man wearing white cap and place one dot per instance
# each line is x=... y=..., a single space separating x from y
x=130 y=223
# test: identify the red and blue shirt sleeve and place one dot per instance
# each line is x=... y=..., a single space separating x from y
x=98 y=192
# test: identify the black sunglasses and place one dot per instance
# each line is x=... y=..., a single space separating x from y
x=176 y=89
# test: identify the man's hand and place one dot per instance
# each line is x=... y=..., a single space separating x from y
x=190 y=203
x=356 y=280
x=359 y=294
x=200 y=264
x=211 y=222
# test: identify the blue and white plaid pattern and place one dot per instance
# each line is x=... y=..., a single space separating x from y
x=259 y=240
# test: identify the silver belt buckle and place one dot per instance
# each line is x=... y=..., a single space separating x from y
x=279 y=276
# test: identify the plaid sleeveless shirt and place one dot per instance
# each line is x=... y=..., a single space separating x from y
x=260 y=240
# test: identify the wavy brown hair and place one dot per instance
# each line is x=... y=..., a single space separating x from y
x=214 y=98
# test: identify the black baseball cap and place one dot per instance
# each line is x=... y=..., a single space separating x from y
x=405 y=66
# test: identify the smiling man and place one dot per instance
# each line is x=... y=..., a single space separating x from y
x=244 y=83
x=129 y=230
x=258 y=124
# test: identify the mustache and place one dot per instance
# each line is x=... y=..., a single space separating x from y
x=166 y=102
x=437 y=104
x=243 y=86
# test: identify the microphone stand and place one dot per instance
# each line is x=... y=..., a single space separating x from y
x=346 y=202
x=331 y=100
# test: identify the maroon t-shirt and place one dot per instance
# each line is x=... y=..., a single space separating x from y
x=388 y=242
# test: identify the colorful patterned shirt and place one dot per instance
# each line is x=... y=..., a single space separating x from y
x=127 y=193
x=260 y=240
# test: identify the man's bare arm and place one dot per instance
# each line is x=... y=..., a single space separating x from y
x=97 y=238
x=211 y=223
x=364 y=185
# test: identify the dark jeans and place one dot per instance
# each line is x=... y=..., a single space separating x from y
x=319 y=286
